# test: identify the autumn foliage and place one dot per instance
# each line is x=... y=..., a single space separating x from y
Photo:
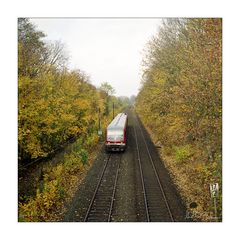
x=180 y=101
x=55 y=104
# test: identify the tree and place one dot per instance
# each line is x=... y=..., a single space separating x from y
x=107 y=90
x=31 y=48
x=55 y=56
x=180 y=99
x=36 y=56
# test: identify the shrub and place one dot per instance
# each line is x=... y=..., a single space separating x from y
x=182 y=153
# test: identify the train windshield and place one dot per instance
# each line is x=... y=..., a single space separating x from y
x=114 y=135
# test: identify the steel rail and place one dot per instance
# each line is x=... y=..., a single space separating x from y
x=114 y=190
x=142 y=180
x=96 y=189
x=156 y=174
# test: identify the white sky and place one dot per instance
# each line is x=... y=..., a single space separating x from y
x=106 y=49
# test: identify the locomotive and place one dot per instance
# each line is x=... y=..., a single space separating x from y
x=116 y=133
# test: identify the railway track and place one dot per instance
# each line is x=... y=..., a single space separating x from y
x=156 y=204
x=101 y=205
x=141 y=192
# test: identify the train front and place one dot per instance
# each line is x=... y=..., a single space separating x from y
x=116 y=134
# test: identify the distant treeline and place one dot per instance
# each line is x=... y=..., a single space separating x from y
x=180 y=99
x=55 y=103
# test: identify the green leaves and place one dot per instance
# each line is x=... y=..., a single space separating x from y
x=181 y=90
x=54 y=103
x=182 y=153
x=180 y=100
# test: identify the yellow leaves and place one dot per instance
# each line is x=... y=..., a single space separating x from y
x=45 y=113
x=54 y=107
x=178 y=79
x=38 y=209
x=74 y=130
x=81 y=104
x=68 y=118
x=180 y=98
x=56 y=173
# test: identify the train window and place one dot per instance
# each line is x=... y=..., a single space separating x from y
x=114 y=135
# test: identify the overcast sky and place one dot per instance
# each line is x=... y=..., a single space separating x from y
x=109 y=50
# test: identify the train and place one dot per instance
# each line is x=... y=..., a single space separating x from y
x=116 y=133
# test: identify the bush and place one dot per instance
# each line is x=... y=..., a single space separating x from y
x=182 y=153
x=39 y=208
x=84 y=156
x=72 y=162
